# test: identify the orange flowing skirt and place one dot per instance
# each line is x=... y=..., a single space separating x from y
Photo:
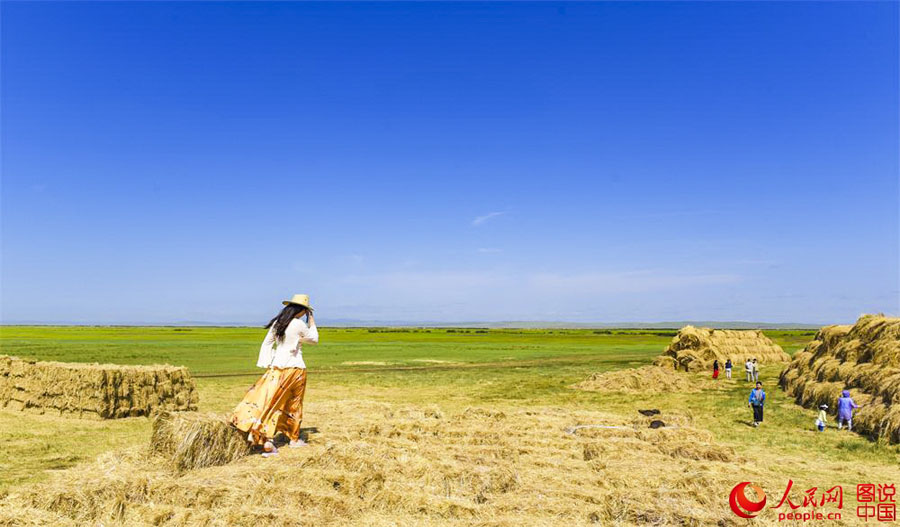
x=274 y=404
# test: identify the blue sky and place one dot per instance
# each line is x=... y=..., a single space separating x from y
x=165 y=162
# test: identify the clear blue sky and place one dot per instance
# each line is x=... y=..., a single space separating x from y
x=166 y=162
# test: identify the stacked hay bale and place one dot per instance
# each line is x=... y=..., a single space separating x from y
x=94 y=390
x=193 y=440
x=695 y=349
x=863 y=358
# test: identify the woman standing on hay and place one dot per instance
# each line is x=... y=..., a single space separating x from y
x=275 y=403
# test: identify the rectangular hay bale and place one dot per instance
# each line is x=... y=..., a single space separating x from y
x=103 y=391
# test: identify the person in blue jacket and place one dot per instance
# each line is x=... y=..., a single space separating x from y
x=756 y=401
x=846 y=405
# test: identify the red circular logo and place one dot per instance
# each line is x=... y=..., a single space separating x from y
x=741 y=505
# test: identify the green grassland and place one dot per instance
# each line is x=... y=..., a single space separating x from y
x=452 y=368
x=212 y=351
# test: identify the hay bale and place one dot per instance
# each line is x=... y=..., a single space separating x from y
x=695 y=349
x=104 y=391
x=863 y=358
x=644 y=379
x=193 y=440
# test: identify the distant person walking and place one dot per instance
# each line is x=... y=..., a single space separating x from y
x=728 y=366
x=823 y=417
x=845 y=408
x=755 y=371
x=756 y=401
x=275 y=403
x=748 y=367
x=716 y=369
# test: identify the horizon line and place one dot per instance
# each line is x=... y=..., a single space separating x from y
x=504 y=324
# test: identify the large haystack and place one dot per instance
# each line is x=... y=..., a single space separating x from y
x=864 y=358
x=644 y=379
x=94 y=390
x=695 y=349
x=193 y=440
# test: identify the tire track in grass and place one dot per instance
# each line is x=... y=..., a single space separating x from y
x=531 y=363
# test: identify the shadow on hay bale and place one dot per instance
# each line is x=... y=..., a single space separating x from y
x=863 y=358
x=104 y=391
x=193 y=440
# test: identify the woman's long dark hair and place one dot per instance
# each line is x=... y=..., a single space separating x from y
x=281 y=320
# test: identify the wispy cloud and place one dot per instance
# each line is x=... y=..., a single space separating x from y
x=481 y=219
x=487 y=250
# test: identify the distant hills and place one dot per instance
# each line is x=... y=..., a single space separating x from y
x=524 y=324
x=536 y=324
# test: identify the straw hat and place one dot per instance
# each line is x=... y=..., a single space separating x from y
x=300 y=300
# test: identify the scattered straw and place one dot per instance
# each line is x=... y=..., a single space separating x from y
x=364 y=363
x=435 y=361
x=644 y=379
x=376 y=465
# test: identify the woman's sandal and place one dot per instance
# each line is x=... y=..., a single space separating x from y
x=269 y=449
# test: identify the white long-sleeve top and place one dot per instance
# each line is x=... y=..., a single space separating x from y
x=288 y=353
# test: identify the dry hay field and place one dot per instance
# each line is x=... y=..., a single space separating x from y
x=510 y=428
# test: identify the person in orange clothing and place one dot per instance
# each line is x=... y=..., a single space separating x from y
x=275 y=403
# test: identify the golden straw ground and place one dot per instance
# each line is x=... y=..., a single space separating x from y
x=384 y=464
x=483 y=448
x=375 y=463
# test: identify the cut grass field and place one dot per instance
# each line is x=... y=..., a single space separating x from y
x=509 y=370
